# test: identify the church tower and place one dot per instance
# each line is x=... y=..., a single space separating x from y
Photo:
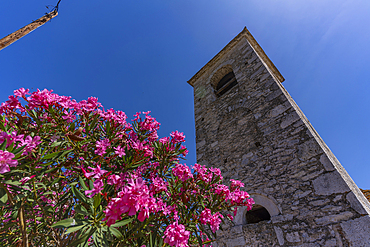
x=249 y=126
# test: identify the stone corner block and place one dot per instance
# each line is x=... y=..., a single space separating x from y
x=357 y=231
x=330 y=183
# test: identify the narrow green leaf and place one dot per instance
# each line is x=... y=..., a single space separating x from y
x=72 y=127
x=82 y=210
x=64 y=223
x=64 y=153
x=97 y=200
x=3 y=145
x=82 y=183
x=4 y=198
x=115 y=232
x=49 y=156
x=55 y=144
x=122 y=223
x=16 y=183
x=84 y=237
x=108 y=128
x=51 y=110
x=19 y=150
x=80 y=196
x=51 y=170
x=2 y=126
x=74 y=228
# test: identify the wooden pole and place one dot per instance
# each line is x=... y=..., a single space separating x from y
x=11 y=38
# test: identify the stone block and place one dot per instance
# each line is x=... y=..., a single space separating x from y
x=293 y=237
x=289 y=119
x=279 y=235
x=239 y=241
x=355 y=203
x=334 y=218
x=330 y=183
x=308 y=149
x=357 y=231
x=326 y=163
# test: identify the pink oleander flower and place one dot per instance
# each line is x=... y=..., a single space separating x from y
x=6 y=160
x=223 y=191
x=30 y=143
x=177 y=137
x=96 y=172
x=133 y=198
x=113 y=211
x=236 y=184
x=113 y=179
x=205 y=215
x=214 y=220
x=158 y=185
x=164 y=140
x=185 y=151
x=120 y=151
x=21 y=92
x=182 y=171
x=203 y=173
x=69 y=117
x=176 y=235
x=101 y=146
x=98 y=186
x=134 y=195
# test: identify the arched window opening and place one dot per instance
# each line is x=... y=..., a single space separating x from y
x=225 y=84
x=257 y=214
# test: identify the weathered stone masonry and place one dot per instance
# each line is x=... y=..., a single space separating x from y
x=256 y=133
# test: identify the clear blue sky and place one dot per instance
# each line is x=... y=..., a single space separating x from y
x=138 y=56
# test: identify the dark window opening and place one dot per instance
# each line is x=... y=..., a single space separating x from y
x=257 y=214
x=226 y=83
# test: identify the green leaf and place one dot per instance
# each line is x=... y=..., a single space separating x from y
x=19 y=150
x=74 y=228
x=97 y=200
x=64 y=223
x=51 y=110
x=3 y=145
x=72 y=127
x=4 y=197
x=82 y=210
x=84 y=237
x=122 y=223
x=51 y=170
x=64 y=153
x=2 y=126
x=49 y=156
x=108 y=128
x=82 y=183
x=115 y=232
x=16 y=183
x=80 y=196
x=55 y=144
x=92 y=125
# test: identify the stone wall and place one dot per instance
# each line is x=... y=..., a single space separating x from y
x=256 y=133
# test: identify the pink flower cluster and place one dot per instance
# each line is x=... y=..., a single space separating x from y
x=182 y=172
x=176 y=235
x=133 y=198
x=6 y=160
x=214 y=220
x=98 y=184
x=138 y=184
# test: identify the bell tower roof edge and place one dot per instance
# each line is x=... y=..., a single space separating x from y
x=255 y=46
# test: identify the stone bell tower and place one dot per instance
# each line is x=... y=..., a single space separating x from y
x=249 y=126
